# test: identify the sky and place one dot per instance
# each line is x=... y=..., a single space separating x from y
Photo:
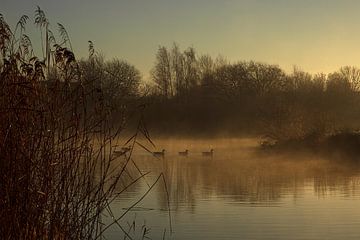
x=314 y=35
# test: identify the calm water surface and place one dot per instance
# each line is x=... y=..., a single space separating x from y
x=238 y=194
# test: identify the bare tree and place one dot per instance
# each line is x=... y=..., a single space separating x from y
x=352 y=74
x=161 y=73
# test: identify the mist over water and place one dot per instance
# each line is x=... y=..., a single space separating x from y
x=242 y=194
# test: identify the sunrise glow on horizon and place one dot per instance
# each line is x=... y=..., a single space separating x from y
x=317 y=36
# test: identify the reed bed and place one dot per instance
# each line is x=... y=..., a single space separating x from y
x=57 y=176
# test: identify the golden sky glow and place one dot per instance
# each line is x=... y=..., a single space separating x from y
x=316 y=35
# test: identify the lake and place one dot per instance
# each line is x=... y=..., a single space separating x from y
x=238 y=194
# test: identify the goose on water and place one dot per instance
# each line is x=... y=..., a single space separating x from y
x=185 y=153
x=122 y=151
x=209 y=154
x=159 y=154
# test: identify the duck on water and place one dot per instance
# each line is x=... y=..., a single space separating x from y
x=159 y=154
x=184 y=153
x=208 y=154
x=122 y=151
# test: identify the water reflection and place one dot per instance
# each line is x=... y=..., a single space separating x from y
x=236 y=175
x=242 y=176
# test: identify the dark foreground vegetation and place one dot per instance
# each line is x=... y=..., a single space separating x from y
x=57 y=136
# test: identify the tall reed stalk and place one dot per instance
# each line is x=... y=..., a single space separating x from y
x=56 y=141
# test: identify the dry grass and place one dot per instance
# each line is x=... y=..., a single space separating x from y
x=56 y=142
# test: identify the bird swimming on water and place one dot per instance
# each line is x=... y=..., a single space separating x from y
x=159 y=154
x=184 y=153
x=208 y=154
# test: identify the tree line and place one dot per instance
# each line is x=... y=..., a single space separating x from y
x=197 y=94
x=194 y=94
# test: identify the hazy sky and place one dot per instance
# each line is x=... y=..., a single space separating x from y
x=316 y=35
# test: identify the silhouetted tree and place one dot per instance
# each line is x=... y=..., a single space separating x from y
x=161 y=73
x=207 y=94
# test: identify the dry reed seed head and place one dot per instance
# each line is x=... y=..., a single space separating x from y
x=22 y=22
x=91 y=49
x=40 y=18
x=68 y=179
